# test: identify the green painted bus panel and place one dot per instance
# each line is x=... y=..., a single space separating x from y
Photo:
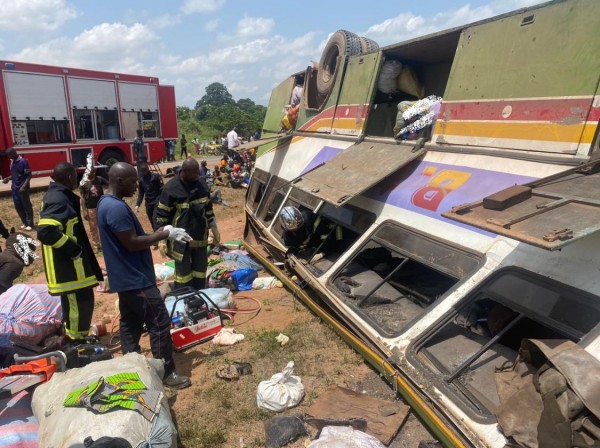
x=530 y=55
x=359 y=79
x=323 y=124
x=280 y=97
x=357 y=90
x=305 y=115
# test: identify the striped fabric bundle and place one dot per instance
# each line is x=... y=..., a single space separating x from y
x=18 y=426
x=28 y=314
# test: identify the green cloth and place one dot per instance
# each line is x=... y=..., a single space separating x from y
x=213 y=261
x=123 y=390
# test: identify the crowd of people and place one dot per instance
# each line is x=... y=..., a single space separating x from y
x=181 y=216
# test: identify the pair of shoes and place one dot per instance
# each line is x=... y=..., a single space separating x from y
x=28 y=228
x=175 y=381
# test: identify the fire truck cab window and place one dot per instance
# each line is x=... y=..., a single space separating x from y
x=485 y=334
x=397 y=275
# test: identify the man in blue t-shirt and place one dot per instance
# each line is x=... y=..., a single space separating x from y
x=130 y=270
x=20 y=175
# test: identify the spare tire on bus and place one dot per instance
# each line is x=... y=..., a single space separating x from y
x=341 y=44
x=367 y=45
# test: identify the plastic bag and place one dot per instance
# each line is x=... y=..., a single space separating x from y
x=227 y=336
x=221 y=297
x=28 y=314
x=390 y=70
x=283 y=430
x=282 y=391
x=242 y=278
x=344 y=437
x=266 y=283
x=163 y=272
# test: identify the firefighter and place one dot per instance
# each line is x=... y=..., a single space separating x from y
x=185 y=202
x=71 y=267
x=304 y=230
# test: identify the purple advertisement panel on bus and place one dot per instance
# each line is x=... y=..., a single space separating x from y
x=432 y=188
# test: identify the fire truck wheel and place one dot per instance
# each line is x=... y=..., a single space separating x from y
x=341 y=44
x=111 y=156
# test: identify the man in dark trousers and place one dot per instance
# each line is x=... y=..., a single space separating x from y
x=131 y=271
x=71 y=267
x=185 y=202
x=20 y=175
x=150 y=186
x=139 y=149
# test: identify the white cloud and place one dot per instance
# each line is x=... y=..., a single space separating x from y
x=239 y=66
x=211 y=25
x=408 y=25
x=26 y=15
x=254 y=26
x=201 y=6
x=108 y=46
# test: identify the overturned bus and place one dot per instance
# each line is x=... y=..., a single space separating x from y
x=448 y=248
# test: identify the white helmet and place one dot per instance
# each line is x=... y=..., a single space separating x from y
x=291 y=218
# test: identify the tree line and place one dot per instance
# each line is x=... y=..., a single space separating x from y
x=216 y=113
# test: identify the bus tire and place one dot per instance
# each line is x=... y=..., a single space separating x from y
x=367 y=45
x=341 y=44
x=111 y=156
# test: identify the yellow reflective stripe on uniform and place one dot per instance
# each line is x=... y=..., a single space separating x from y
x=50 y=222
x=61 y=242
x=196 y=274
x=198 y=243
x=60 y=288
x=78 y=263
x=183 y=278
x=70 y=227
x=73 y=324
x=49 y=263
x=316 y=223
x=339 y=233
x=199 y=200
x=164 y=207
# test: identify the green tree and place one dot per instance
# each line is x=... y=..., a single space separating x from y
x=183 y=113
x=216 y=95
x=246 y=104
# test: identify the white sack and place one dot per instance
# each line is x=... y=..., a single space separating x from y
x=344 y=437
x=62 y=427
x=281 y=392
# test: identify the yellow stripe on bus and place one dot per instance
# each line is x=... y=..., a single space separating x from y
x=552 y=132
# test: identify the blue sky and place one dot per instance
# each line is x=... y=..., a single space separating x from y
x=250 y=46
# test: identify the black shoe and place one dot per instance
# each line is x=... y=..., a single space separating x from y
x=175 y=381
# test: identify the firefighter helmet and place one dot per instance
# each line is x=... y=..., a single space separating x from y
x=291 y=218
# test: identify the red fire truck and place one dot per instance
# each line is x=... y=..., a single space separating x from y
x=54 y=114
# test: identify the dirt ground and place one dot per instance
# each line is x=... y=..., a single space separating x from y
x=218 y=413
